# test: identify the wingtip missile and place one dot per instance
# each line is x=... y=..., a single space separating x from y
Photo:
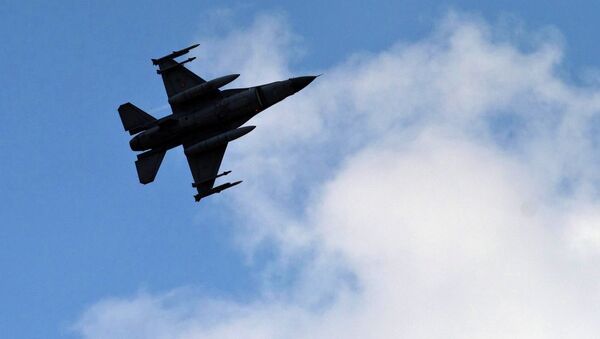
x=168 y=68
x=174 y=54
x=196 y=184
x=223 y=187
x=217 y=189
x=190 y=47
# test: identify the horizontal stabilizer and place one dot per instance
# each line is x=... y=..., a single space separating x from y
x=147 y=165
x=134 y=119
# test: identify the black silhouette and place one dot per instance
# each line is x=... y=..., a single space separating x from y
x=204 y=120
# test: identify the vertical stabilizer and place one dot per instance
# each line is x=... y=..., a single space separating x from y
x=134 y=119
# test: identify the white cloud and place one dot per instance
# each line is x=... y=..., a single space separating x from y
x=444 y=188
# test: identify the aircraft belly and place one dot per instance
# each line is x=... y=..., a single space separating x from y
x=204 y=120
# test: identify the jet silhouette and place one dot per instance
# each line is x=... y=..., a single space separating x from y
x=204 y=120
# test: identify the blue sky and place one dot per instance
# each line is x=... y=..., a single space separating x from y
x=78 y=227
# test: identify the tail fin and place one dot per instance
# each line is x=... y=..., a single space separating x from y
x=148 y=164
x=134 y=119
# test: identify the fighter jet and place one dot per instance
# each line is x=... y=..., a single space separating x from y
x=204 y=120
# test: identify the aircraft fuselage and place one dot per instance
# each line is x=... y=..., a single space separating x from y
x=223 y=114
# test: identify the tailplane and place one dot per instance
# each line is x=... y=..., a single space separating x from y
x=134 y=119
x=147 y=165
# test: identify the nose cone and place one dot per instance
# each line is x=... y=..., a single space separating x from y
x=300 y=82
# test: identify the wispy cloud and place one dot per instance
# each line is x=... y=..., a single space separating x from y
x=444 y=188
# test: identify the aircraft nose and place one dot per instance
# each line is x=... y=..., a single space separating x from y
x=300 y=82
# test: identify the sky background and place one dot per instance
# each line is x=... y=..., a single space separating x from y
x=83 y=244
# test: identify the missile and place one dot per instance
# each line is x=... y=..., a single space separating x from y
x=163 y=70
x=196 y=184
x=174 y=54
x=202 y=89
x=217 y=140
x=217 y=189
